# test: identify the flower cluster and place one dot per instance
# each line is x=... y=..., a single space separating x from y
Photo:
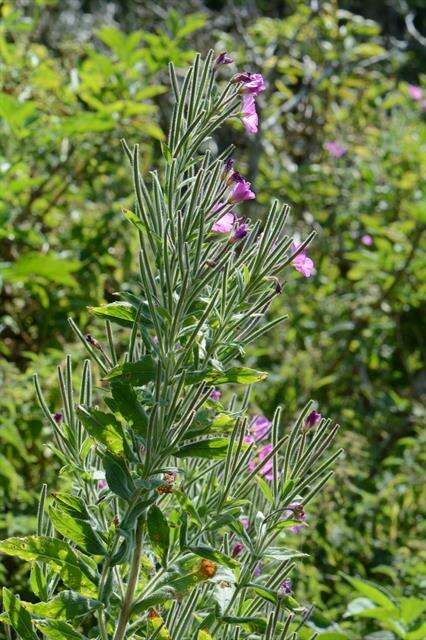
x=251 y=85
x=258 y=429
x=240 y=190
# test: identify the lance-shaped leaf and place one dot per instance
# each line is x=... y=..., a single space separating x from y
x=204 y=423
x=209 y=553
x=58 y=630
x=72 y=505
x=176 y=588
x=18 y=617
x=67 y=605
x=78 y=572
x=79 y=531
x=238 y=375
x=254 y=623
x=159 y=532
x=122 y=313
x=124 y=401
x=135 y=373
x=104 y=428
x=118 y=477
x=156 y=626
x=214 y=448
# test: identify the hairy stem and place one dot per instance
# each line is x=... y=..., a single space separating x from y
x=131 y=585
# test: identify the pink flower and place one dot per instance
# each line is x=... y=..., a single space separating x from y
x=223 y=58
x=285 y=588
x=216 y=394
x=415 y=92
x=102 y=484
x=58 y=417
x=312 y=419
x=241 y=190
x=225 y=224
x=252 y=83
x=245 y=522
x=236 y=549
x=367 y=240
x=335 y=149
x=258 y=429
x=257 y=570
x=240 y=232
x=295 y=511
x=266 y=470
x=302 y=263
x=249 y=114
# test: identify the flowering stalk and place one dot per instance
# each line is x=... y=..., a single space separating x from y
x=182 y=511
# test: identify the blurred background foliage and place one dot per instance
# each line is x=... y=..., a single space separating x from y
x=78 y=75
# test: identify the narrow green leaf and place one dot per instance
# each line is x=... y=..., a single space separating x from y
x=215 y=448
x=118 y=477
x=135 y=373
x=159 y=532
x=79 y=531
x=58 y=630
x=240 y=375
x=72 y=505
x=124 y=401
x=256 y=624
x=371 y=591
x=104 y=428
x=209 y=553
x=67 y=605
x=122 y=313
x=78 y=572
x=19 y=619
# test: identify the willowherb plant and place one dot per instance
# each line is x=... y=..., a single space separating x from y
x=181 y=509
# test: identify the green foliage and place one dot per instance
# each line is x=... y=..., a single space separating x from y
x=353 y=340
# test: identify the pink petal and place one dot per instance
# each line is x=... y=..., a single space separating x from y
x=224 y=224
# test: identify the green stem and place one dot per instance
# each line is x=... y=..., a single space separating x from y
x=131 y=585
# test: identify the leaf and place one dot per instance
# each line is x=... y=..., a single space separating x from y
x=135 y=373
x=263 y=592
x=122 y=313
x=166 y=153
x=104 y=428
x=187 y=505
x=159 y=532
x=76 y=571
x=154 y=599
x=118 y=477
x=371 y=591
x=134 y=219
x=125 y=401
x=214 y=449
x=411 y=608
x=67 y=605
x=265 y=489
x=31 y=266
x=79 y=531
x=38 y=581
x=417 y=634
x=72 y=505
x=209 y=553
x=254 y=623
x=240 y=375
x=19 y=619
x=58 y=630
